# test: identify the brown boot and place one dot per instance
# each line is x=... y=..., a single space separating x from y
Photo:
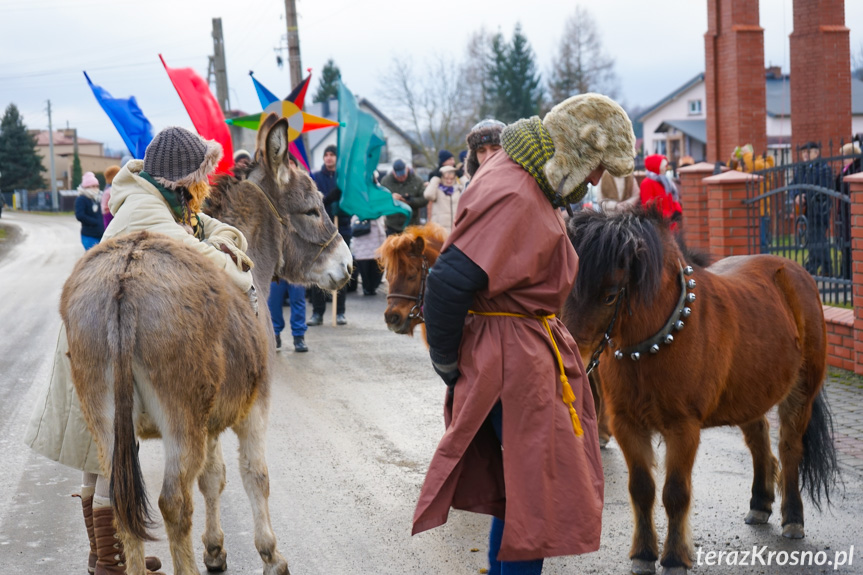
x=109 y=549
x=87 y=504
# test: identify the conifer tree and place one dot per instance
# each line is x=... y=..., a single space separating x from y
x=77 y=174
x=328 y=87
x=20 y=164
x=525 y=92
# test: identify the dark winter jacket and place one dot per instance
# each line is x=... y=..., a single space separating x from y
x=89 y=213
x=412 y=191
x=325 y=180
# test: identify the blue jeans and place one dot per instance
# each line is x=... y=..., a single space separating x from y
x=532 y=567
x=297 y=297
x=89 y=242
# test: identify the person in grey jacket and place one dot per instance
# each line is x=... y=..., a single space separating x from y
x=407 y=187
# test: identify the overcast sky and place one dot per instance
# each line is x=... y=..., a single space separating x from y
x=45 y=44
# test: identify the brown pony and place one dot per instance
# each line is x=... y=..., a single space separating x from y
x=406 y=259
x=163 y=345
x=683 y=348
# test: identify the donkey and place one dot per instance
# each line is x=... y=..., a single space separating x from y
x=673 y=363
x=186 y=357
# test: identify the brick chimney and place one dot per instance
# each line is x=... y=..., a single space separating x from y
x=820 y=74
x=734 y=78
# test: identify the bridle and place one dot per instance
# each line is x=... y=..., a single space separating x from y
x=417 y=310
x=276 y=213
x=664 y=336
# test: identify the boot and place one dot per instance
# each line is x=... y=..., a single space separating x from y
x=111 y=559
x=87 y=505
x=300 y=344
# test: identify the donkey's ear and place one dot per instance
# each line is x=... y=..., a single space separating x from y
x=274 y=132
x=418 y=246
x=266 y=126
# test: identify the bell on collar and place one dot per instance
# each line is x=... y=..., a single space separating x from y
x=688 y=270
x=668 y=339
x=678 y=325
x=654 y=348
x=690 y=284
x=686 y=312
x=618 y=354
x=635 y=356
x=690 y=297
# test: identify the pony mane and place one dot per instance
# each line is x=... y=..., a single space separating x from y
x=393 y=253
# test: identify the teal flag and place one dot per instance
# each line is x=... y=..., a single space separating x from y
x=360 y=142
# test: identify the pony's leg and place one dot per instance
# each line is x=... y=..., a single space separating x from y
x=757 y=436
x=794 y=413
x=635 y=443
x=251 y=433
x=211 y=483
x=184 y=457
x=681 y=446
x=601 y=411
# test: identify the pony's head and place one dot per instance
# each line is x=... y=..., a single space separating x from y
x=620 y=259
x=276 y=200
x=406 y=258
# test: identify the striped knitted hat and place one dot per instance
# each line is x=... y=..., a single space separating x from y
x=177 y=158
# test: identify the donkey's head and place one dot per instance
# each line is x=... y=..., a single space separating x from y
x=311 y=249
x=407 y=257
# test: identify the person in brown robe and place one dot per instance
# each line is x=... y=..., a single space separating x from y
x=521 y=441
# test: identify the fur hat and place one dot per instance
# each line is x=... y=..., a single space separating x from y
x=588 y=130
x=850 y=149
x=240 y=154
x=89 y=180
x=110 y=173
x=177 y=158
x=486 y=132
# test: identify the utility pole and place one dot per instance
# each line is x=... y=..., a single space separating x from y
x=296 y=66
x=55 y=200
x=218 y=69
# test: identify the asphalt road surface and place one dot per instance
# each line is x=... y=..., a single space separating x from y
x=353 y=425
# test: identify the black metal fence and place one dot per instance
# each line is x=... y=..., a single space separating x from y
x=802 y=211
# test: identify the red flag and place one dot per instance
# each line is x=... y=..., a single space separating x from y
x=204 y=111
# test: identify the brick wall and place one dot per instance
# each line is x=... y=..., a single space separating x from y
x=728 y=222
x=693 y=196
x=840 y=337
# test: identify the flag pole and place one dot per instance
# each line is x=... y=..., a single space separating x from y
x=335 y=291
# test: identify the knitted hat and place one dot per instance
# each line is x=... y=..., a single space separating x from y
x=177 y=158
x=485 y=133
x=89 y=181
x=331 y=149
x=110 y=173
x=443 y=156
x=588 y=130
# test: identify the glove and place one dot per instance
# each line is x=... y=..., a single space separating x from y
x=253 y=298
x=238 y=256
x=448 y=373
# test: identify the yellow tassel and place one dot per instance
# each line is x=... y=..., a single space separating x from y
x=576 y=423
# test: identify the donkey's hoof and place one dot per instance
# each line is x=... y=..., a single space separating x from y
x=643 y=567
x=216 y=563
x=757 y=517
x=674 y=571
x=793 y=531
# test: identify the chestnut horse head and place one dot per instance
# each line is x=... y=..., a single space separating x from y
x=406 y=259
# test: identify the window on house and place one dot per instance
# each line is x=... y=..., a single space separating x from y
x=659 y=147
x=694 y=107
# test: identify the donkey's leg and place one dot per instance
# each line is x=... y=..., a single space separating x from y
x=184 y=457
x=253 y=467
x=794 y=413
x=681 y=445
x=212 y=483
x=635 y=442
x=757 y=436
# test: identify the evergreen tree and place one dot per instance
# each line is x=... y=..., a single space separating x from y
x=329 y=82
x=525 y=92
x=77 y=174
x=497 y=80
x=20 y=164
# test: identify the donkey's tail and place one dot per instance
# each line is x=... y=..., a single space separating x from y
x=128 y=494
x=819 y=470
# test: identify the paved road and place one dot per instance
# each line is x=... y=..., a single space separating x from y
x=353 y=425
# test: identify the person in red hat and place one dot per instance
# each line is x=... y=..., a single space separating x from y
x=657 y=189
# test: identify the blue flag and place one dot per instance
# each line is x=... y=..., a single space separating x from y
x=360 y=143
x=127 y=117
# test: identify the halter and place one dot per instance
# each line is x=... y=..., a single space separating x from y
x=664 y=335
x=417 y=310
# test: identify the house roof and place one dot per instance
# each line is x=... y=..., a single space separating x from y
x=672 y=96
x=318 y=109
x=61 y=139
x=695 y=129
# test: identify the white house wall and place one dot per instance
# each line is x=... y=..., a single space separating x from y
x=676 y=109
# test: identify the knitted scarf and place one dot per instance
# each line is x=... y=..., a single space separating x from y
x=448 y=190
x=529 y=145
x=178 y=205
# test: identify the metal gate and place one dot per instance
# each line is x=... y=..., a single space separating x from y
x=802 y=211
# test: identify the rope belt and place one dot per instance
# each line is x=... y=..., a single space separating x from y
x=568 y=395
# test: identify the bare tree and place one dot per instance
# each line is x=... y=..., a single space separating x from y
x=581 y=64
x=475 y=75
x=857 y=62
x=431 y=102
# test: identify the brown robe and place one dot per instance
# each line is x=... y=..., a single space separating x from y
x=549 y=486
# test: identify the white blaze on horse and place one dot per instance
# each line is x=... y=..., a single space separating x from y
x=162 y=344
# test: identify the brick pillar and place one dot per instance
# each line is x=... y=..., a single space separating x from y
x=855 y=183
x=734 y=78
x=820 y=74
x=729 y=224
x=693 y=196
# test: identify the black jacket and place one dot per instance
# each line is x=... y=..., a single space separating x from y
x=89 y=213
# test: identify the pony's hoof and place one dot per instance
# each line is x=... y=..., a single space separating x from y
x=793 y=531
x=674 y=571
x=217 y=563
x=643 y=567
x=757 y=517
x=603 y=441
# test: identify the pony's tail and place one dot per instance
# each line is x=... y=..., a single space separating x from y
x=128 y=494
x=819 y=469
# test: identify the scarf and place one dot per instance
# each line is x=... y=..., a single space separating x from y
x=178 y=205
x=92 y=193
x=529 y=145
x=448 y=190
x=669 y=186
